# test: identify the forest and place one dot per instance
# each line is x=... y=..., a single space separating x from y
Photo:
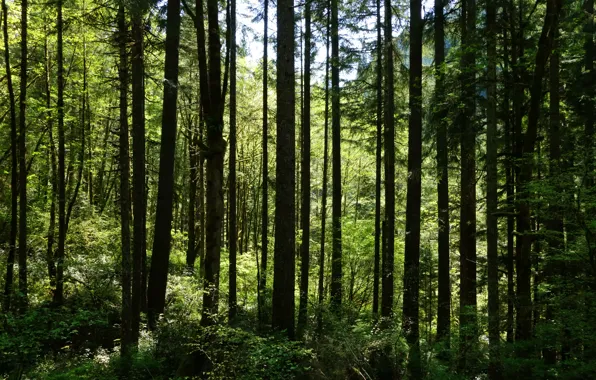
x=316 y=189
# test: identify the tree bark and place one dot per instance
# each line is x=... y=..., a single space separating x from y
x=158 y=275
x=492 y=234
x=336 y=261
x=59 y=293
x=305 y=177
x=468 y=328
x=379 y=157
x=388 y=257
x=265 y=206
x=233 y=235
x=9 y=281
x=411 y=305
x=139 y=255
x=125 y=326
x=444 y=296
x=23 y=297
x=284 y=266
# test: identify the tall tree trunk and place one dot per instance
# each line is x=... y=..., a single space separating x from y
x=444 y=297
x=59 y=293
x=589 y=106
x=9 y=281
x=233 y=235
x=411 y=305
x=284 y=266
x=468 y=328
x=54 y=169
x=321 y=286
x=139 y=255
x=23 y=298
x=212 y=98
x=492 y=233
x=158 y=275
x=305 y=177
x=125 y=326
x=555 y=222
x=336 y=262
x=379 y=157
x=388 y=257
x=265 y=206
x=524 y=270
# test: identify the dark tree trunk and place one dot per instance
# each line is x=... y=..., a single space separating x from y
x=265 y=206
x=589 y=106
x=555 y=222
x=440 y=113
x=59 y=293
x=139 y=255
x=492 y=233
x=336 y=262
x=284 y=266
x=411 y=305
x=233 y=235
x=379 y=157
x=468 y=328
x=158 y=275
x=524 y=264
x=8 y=285
x=321 y=286
x=305 y=177
x=125 y=326
x=23 y=299
x=54 y=175
x=212 y=98
x=388 y=252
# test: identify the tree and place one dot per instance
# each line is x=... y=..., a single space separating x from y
x=379 y=155
x=284 y=266
x=389 y=229
x=492 y=233
x=444 y=296
x=139 y=255
x=410 y=323
x=233 y=236
x=59 y=292
x=8 y=285
x=265 y=206
x=126 y=331
x=22 y=153
x=305 y=177
x=321 y=287
x=336 y=260
x=158 y=275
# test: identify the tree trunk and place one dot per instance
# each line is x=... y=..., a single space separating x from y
x=125 y=325
x=555 y=223
x=305 y=177
x=139 y=255
x=411 y=305
x=233 y=235
x=524 y=270
x=492 y=234
x=8 y=285
x=468 y=328
x=284 y=266
x=59 y=293
x=379 y=157
x=388 y=266
x=265 y=206
x=23 y=299
x=336 y=262
x=444 y=297
x=158 y=275
x=321 y=287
